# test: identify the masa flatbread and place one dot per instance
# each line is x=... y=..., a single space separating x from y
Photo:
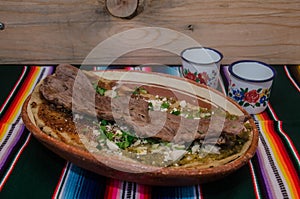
x=51 y=121
x=60 y=126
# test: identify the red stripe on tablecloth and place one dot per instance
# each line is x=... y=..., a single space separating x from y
x=143 y=191
x=291 y=171
x=290 y=143
x=21 y=95
x=282 y=158
x=113 y=188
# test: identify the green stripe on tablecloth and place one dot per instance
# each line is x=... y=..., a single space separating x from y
x=35 y=175
x=285 y=98
x=235 y=186
x=9 y=75
x=292 y=129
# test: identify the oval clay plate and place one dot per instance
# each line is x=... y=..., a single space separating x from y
x=168 y=176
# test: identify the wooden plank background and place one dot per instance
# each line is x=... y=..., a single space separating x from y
x=65 y=31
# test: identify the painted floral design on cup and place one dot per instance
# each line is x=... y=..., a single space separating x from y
x=201 y=77
x=246 y=97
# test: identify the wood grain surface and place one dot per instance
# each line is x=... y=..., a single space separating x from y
x=66 y=31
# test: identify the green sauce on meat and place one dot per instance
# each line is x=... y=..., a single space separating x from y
x=156 y=152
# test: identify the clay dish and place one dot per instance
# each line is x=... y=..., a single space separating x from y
x=165 y=85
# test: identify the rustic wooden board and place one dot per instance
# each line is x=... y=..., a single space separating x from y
x=65 y=31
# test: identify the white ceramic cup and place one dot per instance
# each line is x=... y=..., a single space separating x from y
x=250 y=84
x=202 y=65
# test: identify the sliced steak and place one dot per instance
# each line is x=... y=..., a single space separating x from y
x=61 y=89
x=73 y=90
x=172 y=128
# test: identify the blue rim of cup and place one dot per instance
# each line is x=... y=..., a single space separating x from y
x=220 y=54
x=251 y=61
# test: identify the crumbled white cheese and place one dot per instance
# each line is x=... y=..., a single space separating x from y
x=111 y=145
x=119 y=132
x=77 y=116
x=111 y=93
x=203 y=115
x=109 y=127
x=164 y=110
x=155 y=146
x=156 y=104
x=195 y=148
x=144 y=141
x=138 y=142
x=95 y=132
x=182 y=103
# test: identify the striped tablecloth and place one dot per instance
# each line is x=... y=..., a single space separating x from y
x=29 y=170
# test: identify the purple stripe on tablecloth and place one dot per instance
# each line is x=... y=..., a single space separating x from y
x=262 y=169
x=16 y=131
x=225 y=75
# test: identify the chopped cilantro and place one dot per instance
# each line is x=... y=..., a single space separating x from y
x=110 y=135
x=177 y=112
x=136 y=91
x=104 y=122
x=165 y=105
x=140 y=90
x=143 y=91
x=150 y=106
x=100 y=91
x=126 y=140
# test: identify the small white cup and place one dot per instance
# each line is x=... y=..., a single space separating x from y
x=202 y=65
x=250 y=84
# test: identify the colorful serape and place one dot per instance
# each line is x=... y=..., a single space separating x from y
x=29 y=170
x=12 y=137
